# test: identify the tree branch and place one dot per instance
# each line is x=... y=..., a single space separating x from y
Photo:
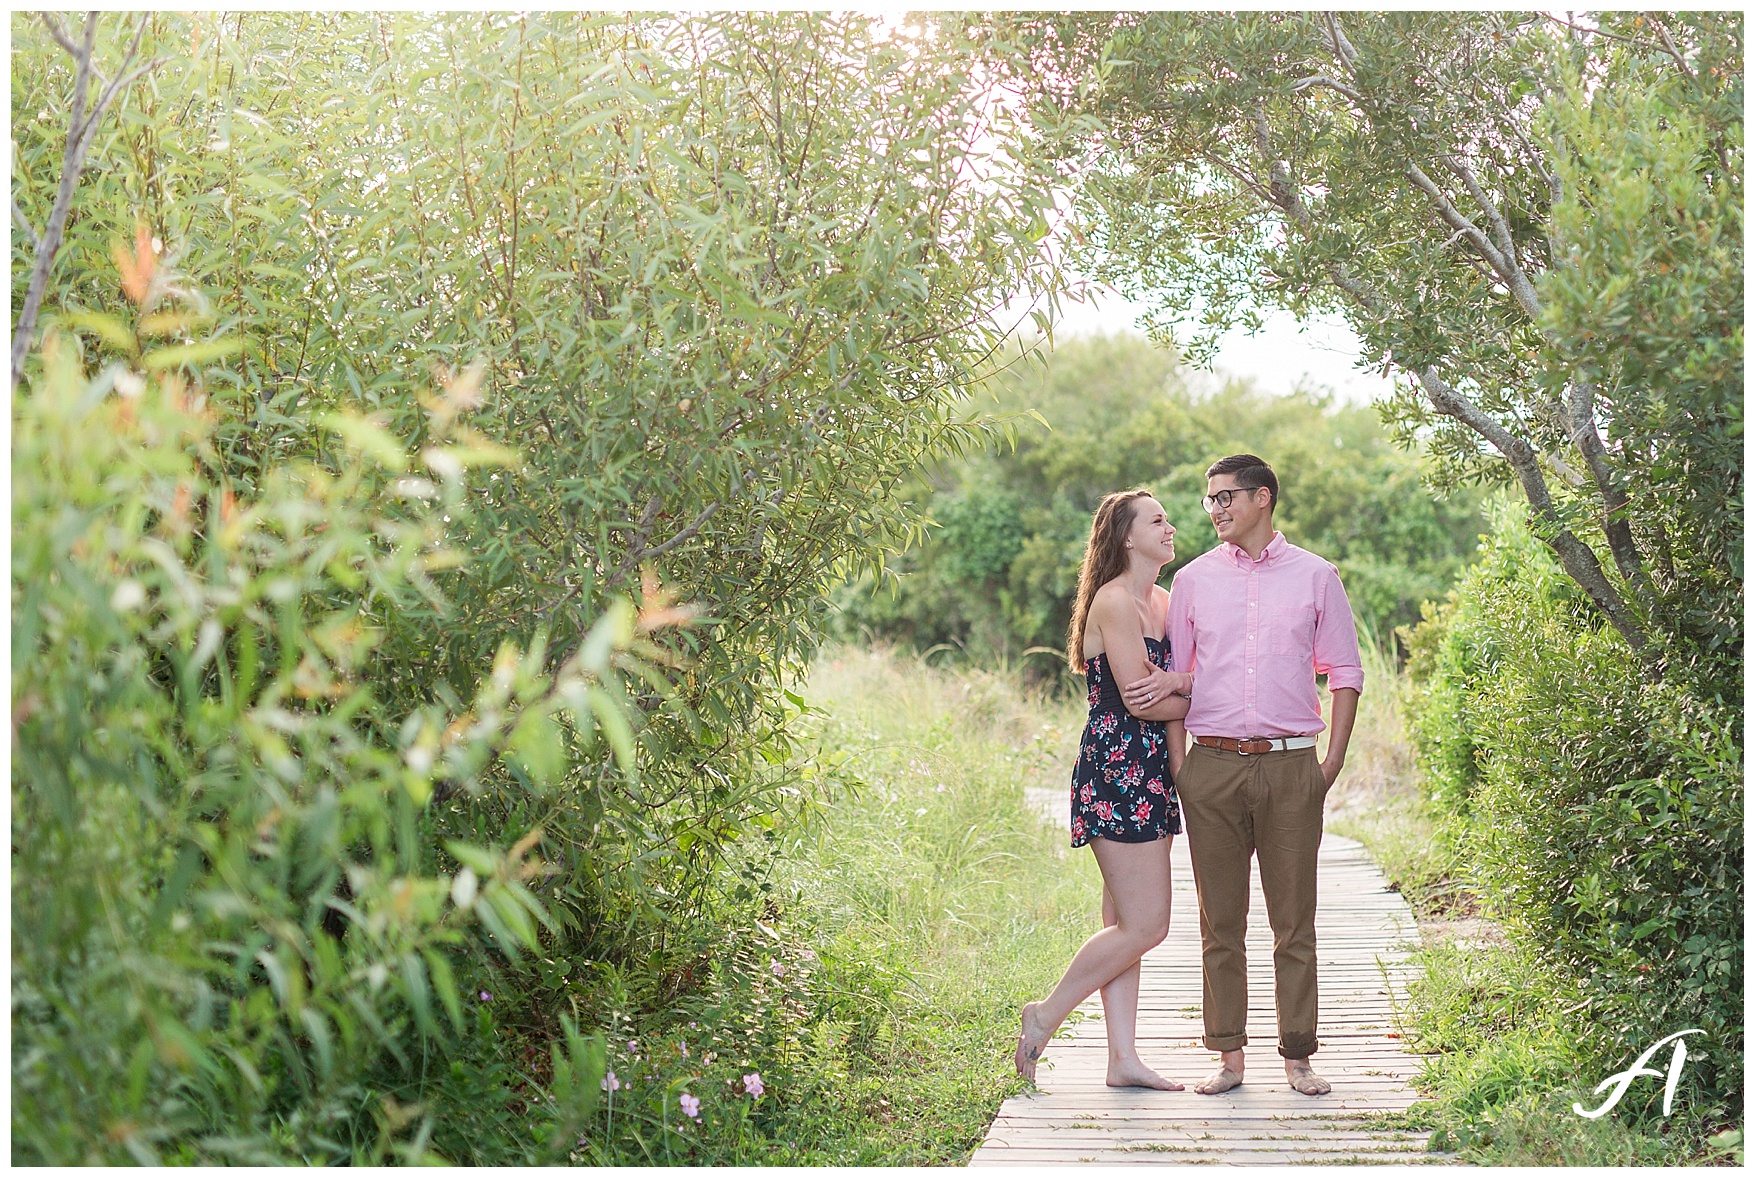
x=1238 y=174
x=55 y=31
x=1582 y=429
x=1591 y=30
x=123 y=76
x=1338 y=43
x=1575 y=556
x=688 y=533
x=638 y=550
x=1500 y=251
x=648 y=517
x=1453 y=216
x=1556 y=192
x=81 y=129
x=1670 y=48
x=1501 y=230
x=24 y=224
x=72 y=163
x=1284 y=194
x=1303 y=84
x=1503 y=261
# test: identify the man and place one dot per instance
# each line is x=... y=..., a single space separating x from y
x=1256 y=620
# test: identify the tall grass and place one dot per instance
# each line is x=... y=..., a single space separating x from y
x=901 y=929
x=940 y=846
x=1379 y=802
x=941 y=865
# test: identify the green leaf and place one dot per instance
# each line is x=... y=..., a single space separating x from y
x=366 y=437
x=445 y=983
x=485 y=863
x=614 y=724
x=192 y=355
x=106 y=327
x=537 y=746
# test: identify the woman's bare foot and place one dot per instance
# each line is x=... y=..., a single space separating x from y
x=1134 y=1073
x=1299 y=1075
x=1032 y=1041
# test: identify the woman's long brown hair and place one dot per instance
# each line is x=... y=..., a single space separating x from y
x=1105 y=559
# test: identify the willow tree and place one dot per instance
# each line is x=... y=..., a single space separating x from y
x=716 y=279
x=1537 y=226
x=632 y=317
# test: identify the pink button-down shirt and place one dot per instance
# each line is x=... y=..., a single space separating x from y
x=1256 y=633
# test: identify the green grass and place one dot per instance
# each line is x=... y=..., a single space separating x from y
x=877 y=993
x=939 y=862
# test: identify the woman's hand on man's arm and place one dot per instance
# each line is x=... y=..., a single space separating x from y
x=1154 y=689
x=1171 y=707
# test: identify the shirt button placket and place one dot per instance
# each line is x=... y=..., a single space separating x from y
x=1249 y=654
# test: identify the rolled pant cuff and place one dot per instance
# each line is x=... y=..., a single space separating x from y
x=1298 y=1046
x=1225 y=1042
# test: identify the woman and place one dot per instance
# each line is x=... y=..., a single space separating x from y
x=1123 y=801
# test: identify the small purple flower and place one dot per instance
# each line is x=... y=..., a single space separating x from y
x=685 y=1050
x=485 y=996
x=752 y=1084
x=610 y=1083
x=779 y=969
x=691 y=1106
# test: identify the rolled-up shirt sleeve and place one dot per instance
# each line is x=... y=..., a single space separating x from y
x=1337 y=638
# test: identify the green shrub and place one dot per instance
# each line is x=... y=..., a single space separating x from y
x=1460 y=645
x=717 y=278
x=1601 y=813
x=1505 y=1063
x=230 y=927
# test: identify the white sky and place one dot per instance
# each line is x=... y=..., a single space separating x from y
x=1278 y=357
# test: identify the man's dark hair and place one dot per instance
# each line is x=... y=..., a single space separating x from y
x=1251 y=472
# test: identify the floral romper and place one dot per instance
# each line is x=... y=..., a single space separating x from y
x=1121 y=787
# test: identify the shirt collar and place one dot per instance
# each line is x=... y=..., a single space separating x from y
x=1240 y=558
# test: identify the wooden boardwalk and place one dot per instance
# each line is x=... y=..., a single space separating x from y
x=1074 y=1117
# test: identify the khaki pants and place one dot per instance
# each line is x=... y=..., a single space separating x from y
x=1271 y=804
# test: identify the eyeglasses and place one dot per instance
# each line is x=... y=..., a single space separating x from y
x=1221 y=500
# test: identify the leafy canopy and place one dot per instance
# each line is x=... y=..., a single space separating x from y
x=1538 y=225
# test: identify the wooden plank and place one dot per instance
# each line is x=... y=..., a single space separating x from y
x=1363 y=935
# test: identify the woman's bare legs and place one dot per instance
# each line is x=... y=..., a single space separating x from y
x=1121 y=998
x=1136 y=878
x=1121 y=1008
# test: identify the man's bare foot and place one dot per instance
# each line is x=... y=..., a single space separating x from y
x=1032 y=1041
x=1222 y=1080
x=1134 y=1073
x=1299 y=1075
x=1229 y=1075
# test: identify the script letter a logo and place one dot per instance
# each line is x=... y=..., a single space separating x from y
x=1621 y=1081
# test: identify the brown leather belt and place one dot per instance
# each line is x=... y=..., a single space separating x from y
x=1255 y=745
